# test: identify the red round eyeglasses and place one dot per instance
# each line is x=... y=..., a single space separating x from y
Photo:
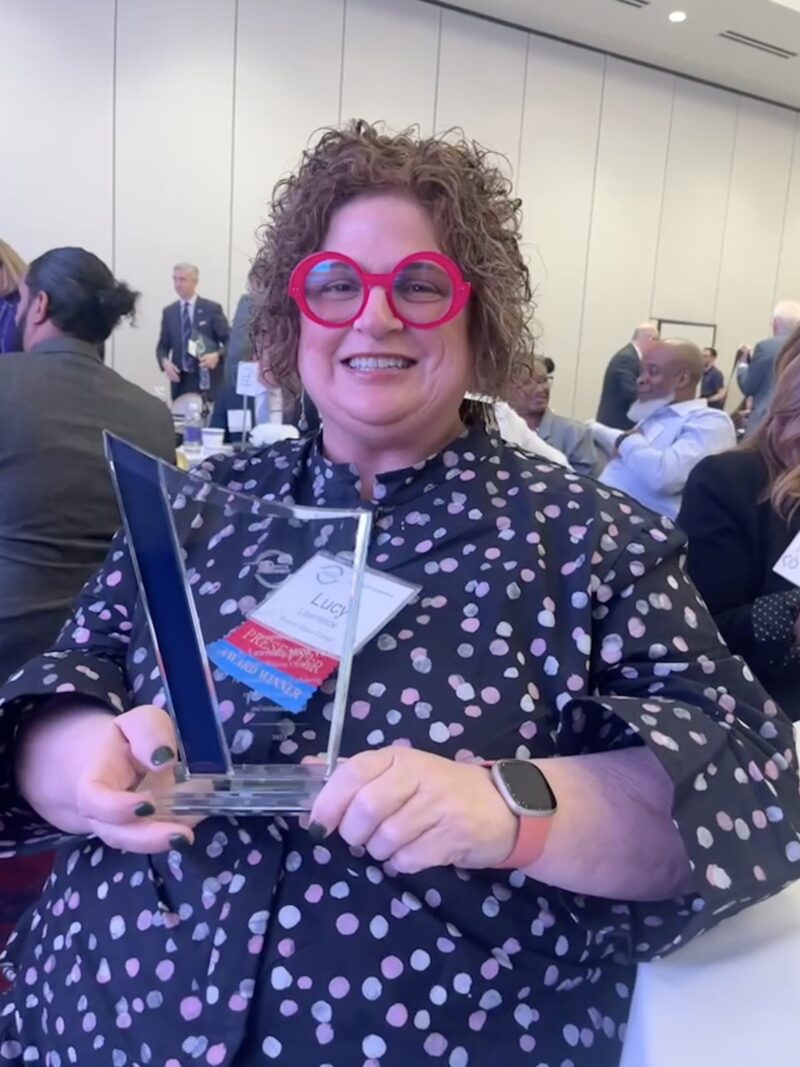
x=424 y=290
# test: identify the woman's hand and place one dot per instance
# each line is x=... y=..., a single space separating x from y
x=417 y=810
x=87 y=771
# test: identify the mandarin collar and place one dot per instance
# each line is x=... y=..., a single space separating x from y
x=338 y=484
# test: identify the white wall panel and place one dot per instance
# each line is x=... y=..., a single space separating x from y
x=695 y=203
x=58 y=73
x=390 y=55
x=288 y=81
x=556 y=183
x=625 y=218
x=788 y=281
x=643 y=193
x=756 y=210
x=173 y=158
x=481 y=82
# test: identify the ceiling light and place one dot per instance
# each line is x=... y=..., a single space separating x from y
x=678 y=16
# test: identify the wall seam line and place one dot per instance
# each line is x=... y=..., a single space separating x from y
x=582 y=317
x=724 y=240
x=341 y=59
x=438 y=67
x=233 y=154
x=795 y=131
x=663 y=197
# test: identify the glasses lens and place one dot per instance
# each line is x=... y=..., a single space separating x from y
x=334 y=291
x=423 y=292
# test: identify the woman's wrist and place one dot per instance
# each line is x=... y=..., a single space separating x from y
x=48 y=757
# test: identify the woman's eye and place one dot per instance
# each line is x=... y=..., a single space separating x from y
x=340 y=287
x=419 y=290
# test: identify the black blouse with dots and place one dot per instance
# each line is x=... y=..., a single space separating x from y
x=553 y=619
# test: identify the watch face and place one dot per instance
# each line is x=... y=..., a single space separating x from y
x=527 y=786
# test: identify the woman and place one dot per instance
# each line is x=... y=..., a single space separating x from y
x=741 y=511
x=573 y=439
x=418 y=918
x=12 y=269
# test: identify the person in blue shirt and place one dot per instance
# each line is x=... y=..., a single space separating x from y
x=673 y=430
x=712 y=387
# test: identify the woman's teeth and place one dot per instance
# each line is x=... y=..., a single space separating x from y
x=378 y=363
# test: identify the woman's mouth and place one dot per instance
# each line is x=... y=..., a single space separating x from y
x=373 y=363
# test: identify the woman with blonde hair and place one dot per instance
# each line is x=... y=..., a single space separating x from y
x=12 y=269
x=741 y=511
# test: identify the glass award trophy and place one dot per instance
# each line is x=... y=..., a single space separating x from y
x=199 y=346
x=257 y=602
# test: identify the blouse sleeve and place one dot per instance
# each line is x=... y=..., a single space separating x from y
x=663 y=678
x=87 y=660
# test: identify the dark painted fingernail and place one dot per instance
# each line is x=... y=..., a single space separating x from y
x=316 y=831
x=180 y=842
x=163 y=754
x=144 y=809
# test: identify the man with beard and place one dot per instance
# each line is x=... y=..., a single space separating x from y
x=57 y=507
x=572 y=438
x=673 y=429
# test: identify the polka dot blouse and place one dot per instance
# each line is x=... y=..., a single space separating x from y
x=553 y=619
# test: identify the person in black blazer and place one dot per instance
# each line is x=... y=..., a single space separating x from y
x=622 y=373
x=182 y=322
x=58 y=511
x=741 y=511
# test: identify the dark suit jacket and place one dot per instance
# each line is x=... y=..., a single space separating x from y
x=735 y=539
x=619 y=388
x=239 y=346
x=57 y=508
x=209 y=319
x=757 y=379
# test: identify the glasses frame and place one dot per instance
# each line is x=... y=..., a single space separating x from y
x=461 y=288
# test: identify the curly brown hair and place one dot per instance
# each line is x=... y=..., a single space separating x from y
x=477 y=222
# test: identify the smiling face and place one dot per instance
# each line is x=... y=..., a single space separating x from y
x=382 y=386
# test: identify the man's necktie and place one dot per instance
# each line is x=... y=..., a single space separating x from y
x=186 y=332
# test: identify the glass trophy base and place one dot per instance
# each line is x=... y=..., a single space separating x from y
x=287 y=789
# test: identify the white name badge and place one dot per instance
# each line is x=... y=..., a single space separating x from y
x=191 y=348
x=313 y=604
x=248 y=382
x=788 y=565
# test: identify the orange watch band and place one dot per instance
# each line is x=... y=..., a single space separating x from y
x=532 y=834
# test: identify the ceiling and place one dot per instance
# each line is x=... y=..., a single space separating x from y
x=694 y=47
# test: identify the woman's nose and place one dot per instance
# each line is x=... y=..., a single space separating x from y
x=377 y=317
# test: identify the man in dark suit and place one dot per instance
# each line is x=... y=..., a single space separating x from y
x=622 y=373
x=58 y=512
x=194 y=332
x=755 y=373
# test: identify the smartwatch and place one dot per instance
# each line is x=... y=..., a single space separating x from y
x=527 y=793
